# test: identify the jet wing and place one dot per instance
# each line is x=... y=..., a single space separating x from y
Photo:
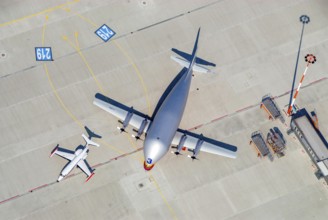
x=209 y=145
x=85 y=167
x=67 y=154
x=121 y=111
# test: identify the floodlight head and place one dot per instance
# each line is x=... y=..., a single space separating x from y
x=305 y=19
x=310 y=58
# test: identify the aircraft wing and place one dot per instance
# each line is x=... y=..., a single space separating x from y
x=85 y=167
x=209 y=145
x=67 y=154
x=121 y=111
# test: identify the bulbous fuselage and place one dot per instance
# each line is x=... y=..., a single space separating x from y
x=166 y=121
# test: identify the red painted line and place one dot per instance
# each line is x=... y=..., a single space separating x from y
x=198 y=126
x=194 y=128
x=243 y=109
x=219 y=118
x=39 y=187
x=7 y=200
x=284 y=93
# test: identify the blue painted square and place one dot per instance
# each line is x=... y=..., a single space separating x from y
x=43 y=54
x=149 y=160
x=105 y=33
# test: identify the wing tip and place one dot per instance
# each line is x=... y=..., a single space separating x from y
x=53 y=151
x=89 y=177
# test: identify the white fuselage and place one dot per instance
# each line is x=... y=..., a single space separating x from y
x=167 y=120
x=80 y=155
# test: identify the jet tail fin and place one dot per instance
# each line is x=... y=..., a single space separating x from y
x=89 y=142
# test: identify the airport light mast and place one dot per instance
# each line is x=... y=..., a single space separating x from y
x=304 y=19
x=310 y=59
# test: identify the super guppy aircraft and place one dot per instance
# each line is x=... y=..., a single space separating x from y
x=161 y=130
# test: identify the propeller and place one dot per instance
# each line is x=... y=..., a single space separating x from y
x=121 y=129
x=136 y=137
x=193 y=157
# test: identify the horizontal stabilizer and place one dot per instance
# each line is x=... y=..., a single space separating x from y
x=185 y=63
x=89 y=142
x=188 y=58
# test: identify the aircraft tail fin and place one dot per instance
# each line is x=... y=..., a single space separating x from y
x=191 y=60
x=89 y=142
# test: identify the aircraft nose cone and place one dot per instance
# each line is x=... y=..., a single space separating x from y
x=148 y=167
x=60 y=178
x=154 y=150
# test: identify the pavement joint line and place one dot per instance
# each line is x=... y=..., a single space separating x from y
x=62 y=104
x=69 y=10
x=77 y=48
x=53 y=86
x=163 y=197
x=270 y=201
x=137 y=72
x=70 y=114
x=115 y=38
x=48 y=10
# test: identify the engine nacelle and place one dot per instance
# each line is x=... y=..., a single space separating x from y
x=141 y=129
x=126 y=121
x=180 y=145
x=197 y=148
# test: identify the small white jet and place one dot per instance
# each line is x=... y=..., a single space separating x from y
x=77 y=158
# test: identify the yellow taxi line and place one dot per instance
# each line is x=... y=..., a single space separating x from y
x=126 y=56
x=48 y=10
x=137 y=72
